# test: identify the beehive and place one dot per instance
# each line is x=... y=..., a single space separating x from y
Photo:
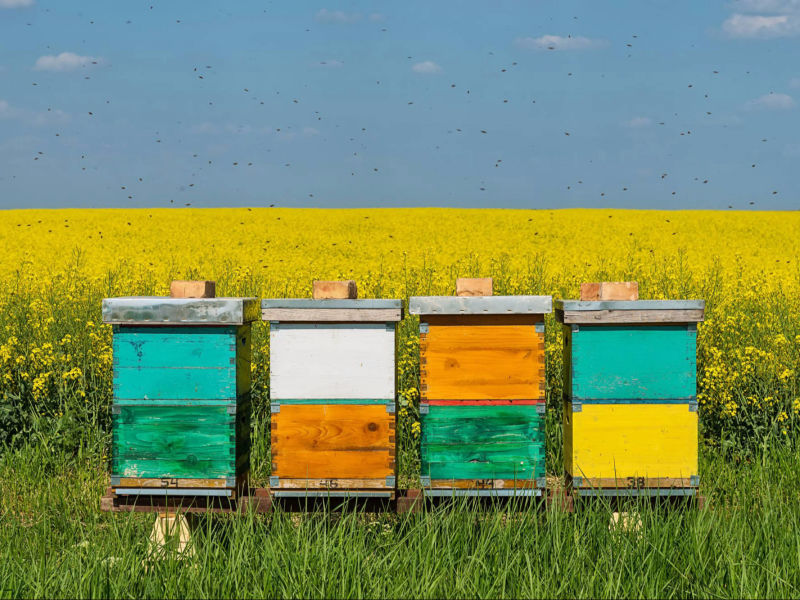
x=482 y=393
x=630 y=405
x=332 y=394
x=181 y=404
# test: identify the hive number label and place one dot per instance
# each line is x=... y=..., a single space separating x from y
x=330 y=483
x=484 y=483
x=169 y=482
x=635 y=482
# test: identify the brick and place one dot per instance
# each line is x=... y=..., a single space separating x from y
x=338 y=290
x=193 y=289
x=610 y=290
x=467 y=286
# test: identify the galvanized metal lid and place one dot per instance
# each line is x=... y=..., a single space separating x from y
x=345 y=310
x=480 y=305
x=158 y=310
x=629 y=304
x=629 y=311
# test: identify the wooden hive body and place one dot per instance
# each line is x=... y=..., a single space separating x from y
x=482 y=390
x=181 y=407
x=332 y=394
x=630 y=406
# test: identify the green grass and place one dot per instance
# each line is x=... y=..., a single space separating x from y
x=55 y=542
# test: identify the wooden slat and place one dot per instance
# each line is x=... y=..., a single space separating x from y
x=333 y=442
x=326 y=290
x=481 y=361
x=636 y=482
x=511 y=402
x=332 y=361
x=610 y=290
x=630 y=316
x=341 y=315
x=632 y=440
x=332 y=484
x=474 y=286
x=192 y=289
x=175 y=383
x=483 y=484
x=167 y=483
x=163 y=347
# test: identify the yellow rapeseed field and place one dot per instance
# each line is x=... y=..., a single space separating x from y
x=57 y=265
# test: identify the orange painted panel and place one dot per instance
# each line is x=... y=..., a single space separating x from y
x=330 y=441
x=482 y=358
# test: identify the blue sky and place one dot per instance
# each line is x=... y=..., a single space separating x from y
x=537 y=104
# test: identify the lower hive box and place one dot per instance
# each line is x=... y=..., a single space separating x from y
x=483 y=447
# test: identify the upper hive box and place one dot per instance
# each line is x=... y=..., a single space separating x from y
x=482 y=391
x=630 y=385
x=332 y=393
x=181 y=405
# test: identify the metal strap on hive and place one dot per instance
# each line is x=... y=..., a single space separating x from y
x=480 y=305
x=355 y=310
x=161 y=310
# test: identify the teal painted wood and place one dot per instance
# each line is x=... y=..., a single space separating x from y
x=467 y=442
x=177 y=441
x=176 y=383
x=164 y=347
x=634 y=362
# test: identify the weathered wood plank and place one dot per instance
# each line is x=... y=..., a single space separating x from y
x=481 y=362
x=630 y=316
x=332 y=484
x=610 y=290
x=341 y=315
x=166 y=482
x=330 y=290
x=617 y=441
x=192 y=289
x=501 y=402
x=474 y=286
x=483 y=484
x=638 y=362
x=332 y=361
x=636 y=482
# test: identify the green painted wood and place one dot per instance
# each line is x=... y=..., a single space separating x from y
x=177 y=441
x=160 y=347
x=478 y=470
x=466 y=442
x=490 y=424
x=636 y=362
x=176 y=383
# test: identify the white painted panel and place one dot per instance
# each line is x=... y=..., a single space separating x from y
x=326 y=360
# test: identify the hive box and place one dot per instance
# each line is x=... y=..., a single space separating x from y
x=482 y=392
x=181 y=405
x=332 y=393
x=630 y=405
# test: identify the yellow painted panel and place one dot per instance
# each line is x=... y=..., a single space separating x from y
x=633 y=440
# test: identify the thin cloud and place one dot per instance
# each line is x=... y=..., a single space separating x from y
x=32 y=117
x=766 y=6
x=427 y=67
x=336 y=16
x=66 y=61
x=772 y=101
x=639 y=122
x=331 y=63
x=760 y=26
x=794 y=83
x=377 y=18
x=16 y=3
x=558 y=42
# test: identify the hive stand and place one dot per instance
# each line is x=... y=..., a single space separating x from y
x=630 y=405
x=482 y=394
x=332 y=395
x=181 y=405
